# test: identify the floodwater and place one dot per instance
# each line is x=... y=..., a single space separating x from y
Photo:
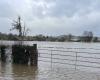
x=22 y=72
x=53 y=71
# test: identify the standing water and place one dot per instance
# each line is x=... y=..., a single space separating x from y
x=54 y=71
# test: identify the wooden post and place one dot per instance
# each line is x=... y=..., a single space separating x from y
x=34 y=55
x=3 y=54
x=20 y=54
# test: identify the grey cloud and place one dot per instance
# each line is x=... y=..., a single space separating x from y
x=53 y=16
x=67 y=8
x=6 y=9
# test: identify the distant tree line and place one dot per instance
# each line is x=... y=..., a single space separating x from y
x=9 y=36
x=87 y=36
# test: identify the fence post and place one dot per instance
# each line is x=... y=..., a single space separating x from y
x=34 y=55
x=3 y=53
x=76 y=61
x=51 y=58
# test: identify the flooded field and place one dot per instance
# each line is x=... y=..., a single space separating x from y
x=20 y=72
x=56 y=71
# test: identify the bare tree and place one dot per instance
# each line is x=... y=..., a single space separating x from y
x=87 y=36
x=17 y=25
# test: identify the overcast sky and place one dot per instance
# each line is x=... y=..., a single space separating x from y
x=52 y=17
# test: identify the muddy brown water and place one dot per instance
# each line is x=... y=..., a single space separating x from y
x=10 y=71
x=46 y=71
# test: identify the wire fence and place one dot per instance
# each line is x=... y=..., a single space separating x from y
x=74 y=58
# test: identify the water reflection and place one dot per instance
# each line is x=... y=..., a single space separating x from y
x=6 y=71
x=10 y=71
x=24 y=71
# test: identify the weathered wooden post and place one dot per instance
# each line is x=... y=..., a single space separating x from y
x=3 y=53
x=16 y=54
x=20 y=54
x=34 y=55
